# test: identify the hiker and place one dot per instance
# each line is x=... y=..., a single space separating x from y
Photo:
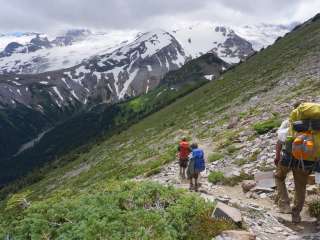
x=196 y=165
x=184 y=151
x=290 y=155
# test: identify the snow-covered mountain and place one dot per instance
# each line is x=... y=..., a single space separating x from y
x=262 y=35
x=21 y=38
x=205 y=37
x=125 y=71
x=64 y=51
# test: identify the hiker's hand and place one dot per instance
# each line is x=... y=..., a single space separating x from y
x=276 y=161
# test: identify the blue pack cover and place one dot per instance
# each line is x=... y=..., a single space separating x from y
x=198 y=156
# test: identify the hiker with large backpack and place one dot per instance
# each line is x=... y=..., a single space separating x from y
x=298 y=149
x=184 y=151
x=196 y=165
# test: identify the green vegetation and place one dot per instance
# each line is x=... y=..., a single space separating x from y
x=216 y=177
x=314 y=208
x=234 y=180
x=231 y=149
x=117 y=211
x=266 y=126
x=85 y=177
x=241 y=162
x=219 y=177
x=215 y=156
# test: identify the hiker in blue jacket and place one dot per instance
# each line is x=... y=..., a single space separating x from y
x=196 y=165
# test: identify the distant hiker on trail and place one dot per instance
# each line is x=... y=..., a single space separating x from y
x=196 y=165
x=298 y=149
x=184 y=151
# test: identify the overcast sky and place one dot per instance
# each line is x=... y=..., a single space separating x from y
x=52 y=15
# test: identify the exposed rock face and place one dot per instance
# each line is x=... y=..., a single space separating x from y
x=226 y=212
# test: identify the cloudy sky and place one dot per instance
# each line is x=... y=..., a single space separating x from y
x=52 y=15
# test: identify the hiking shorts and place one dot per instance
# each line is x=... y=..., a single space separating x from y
x=183 y=162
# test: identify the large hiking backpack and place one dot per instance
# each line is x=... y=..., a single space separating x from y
x=305 y=122
x=198 y=156
x=184 y=150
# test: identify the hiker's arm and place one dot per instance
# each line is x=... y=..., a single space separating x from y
x=278 y=153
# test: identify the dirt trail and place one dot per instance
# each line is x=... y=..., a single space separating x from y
x=259 y=215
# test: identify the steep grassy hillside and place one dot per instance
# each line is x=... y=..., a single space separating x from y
x=265 y=85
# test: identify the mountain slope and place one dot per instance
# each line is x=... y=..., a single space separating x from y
x=261 y=88
x=109 y=119
x=127 y=71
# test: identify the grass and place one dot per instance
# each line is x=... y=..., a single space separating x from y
x=215 y=157
x=234 y=180
x=266 y=126
x=231 y=149
x=314 y=208
x=216 y=177
x=219 y=177
x=241 y=162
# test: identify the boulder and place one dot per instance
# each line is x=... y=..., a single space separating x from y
x=265 y=179
x=236 y=235
x=311 y=179
x=247 y=185
x=224 y=211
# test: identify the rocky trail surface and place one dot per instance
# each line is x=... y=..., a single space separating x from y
x=259 y=214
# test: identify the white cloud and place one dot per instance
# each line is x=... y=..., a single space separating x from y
x=48 y=15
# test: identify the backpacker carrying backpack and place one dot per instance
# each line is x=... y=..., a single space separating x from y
x=198 y=156
x=184 y=150
x=305 y=122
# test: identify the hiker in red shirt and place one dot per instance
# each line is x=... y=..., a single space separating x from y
x=184 y=151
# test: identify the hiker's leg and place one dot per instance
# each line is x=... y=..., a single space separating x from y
x=180 y=167
x=191 y=183
x=280 y=177
x=183 y=172
x=196 y=175
x=300 y=183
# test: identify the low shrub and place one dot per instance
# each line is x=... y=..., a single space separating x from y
x=234 y=180
x=266 y=126
x=241 y=162
x=215 y=157
x=314 y=208
x=231 y=149
x=119 y=210
x=216 y=177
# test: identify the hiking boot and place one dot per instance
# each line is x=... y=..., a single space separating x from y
x=296 y=218
x=286 y=209
x=191 y=187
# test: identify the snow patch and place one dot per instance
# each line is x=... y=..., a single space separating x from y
x=127 y=84
x=74 y=94
x=209 y=77
x=58 y=93
x=16 y=83
x=65 y=82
